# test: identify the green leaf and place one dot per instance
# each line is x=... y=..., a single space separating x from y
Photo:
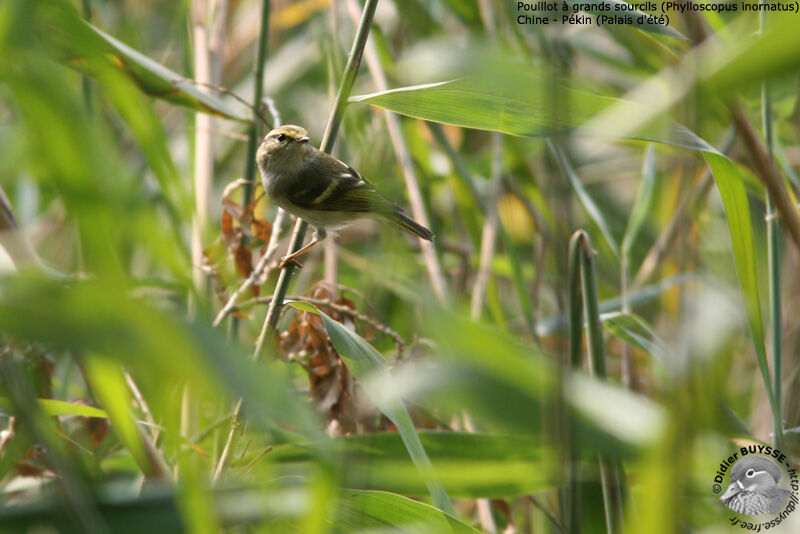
x=468 y=465
x=613 y=411
x=585 y=199
x=507 y=385
x=370 y=369
x=515 y=100
x=737 y=210
x=87 y=48
x=643 y=203
x=380 y=511
x=98 y=317
x=55 y=408
x=108 y=385
x=156 y=510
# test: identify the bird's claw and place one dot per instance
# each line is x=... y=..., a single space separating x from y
x=287 y=260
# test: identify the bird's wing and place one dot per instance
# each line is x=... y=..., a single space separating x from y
x=331 y=185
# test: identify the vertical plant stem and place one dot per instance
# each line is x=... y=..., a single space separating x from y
x=258 y=95
x=331 y=260
x=774 y=266
x=208 y=26
x=204 y=140
x=627 y=365
x=489 y=233
x=488 y=238
x=406 y=163
x=273 y=313
x=571 y=510
x=247 y=193
x=763 y=165
x=582 y=259
x=331 y=266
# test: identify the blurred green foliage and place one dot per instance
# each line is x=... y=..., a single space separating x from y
x=379 y=408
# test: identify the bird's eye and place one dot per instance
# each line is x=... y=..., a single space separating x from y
x=750 y=473
x=281 y=138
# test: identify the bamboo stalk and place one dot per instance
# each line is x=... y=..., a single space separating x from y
x=331 y=260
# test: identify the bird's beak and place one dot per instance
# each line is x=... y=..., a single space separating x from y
x=302 y=139
x=732 y=490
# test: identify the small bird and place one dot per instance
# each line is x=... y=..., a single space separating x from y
x=754 y=487
x=327 y=193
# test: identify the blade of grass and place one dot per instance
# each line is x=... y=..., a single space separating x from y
x=359 y=511
x=643 y=203
x=516 y=104
x=581 y=261
x=108 y=384
x=55 y=408
x=572 y=516
x=737 y=209
x=489 y=233
x=368 y=366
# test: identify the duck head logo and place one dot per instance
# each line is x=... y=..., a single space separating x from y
x=754 y=487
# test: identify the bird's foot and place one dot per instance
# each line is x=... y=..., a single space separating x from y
x=289 y=259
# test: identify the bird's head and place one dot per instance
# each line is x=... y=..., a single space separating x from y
x=752 y=475
x=285 y=145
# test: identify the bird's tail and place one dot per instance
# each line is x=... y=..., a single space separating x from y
x=399 y=219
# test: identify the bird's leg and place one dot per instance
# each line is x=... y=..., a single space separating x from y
x=318 y=236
